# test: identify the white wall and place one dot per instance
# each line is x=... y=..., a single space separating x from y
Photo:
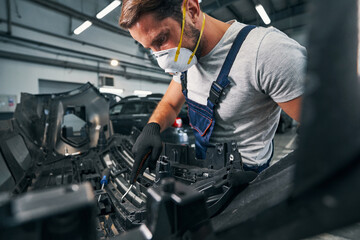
x=17 y=77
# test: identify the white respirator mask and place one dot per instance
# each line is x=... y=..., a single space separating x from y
x=177 y=60
x=166 y=61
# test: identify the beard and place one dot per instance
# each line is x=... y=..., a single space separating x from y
x=193 y=33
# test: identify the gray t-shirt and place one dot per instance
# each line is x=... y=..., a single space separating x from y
x=269 y=68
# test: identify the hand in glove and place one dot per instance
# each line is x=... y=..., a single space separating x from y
x=146 y=149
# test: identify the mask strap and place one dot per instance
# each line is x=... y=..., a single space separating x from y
x=182 y=32
x=197 y=44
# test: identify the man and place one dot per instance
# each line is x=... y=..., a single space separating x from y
x=237 y=99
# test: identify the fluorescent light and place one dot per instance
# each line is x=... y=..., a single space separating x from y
x=82 y=27
x=116 y=91
x=114 y=62
x=142 y=92
x=108 y=9
x=260 y=9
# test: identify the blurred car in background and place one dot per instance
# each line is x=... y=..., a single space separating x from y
x=134 y=111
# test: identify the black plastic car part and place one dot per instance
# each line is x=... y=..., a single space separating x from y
x=30 y=166
x=66 y=212
x=64 y=123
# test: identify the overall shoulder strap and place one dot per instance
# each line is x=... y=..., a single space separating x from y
x=222 y=81
x=183 y=79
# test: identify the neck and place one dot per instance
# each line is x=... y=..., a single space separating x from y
x=213 y=32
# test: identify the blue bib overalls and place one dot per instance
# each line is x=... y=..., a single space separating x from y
x=201 y=117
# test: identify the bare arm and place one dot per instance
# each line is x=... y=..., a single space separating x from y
x=169 y=106
x=292 y=108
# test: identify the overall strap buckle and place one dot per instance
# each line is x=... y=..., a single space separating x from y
x=215 y=92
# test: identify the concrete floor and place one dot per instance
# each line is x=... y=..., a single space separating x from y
x=285 y=143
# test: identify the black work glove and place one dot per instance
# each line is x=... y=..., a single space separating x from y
x=146 y=149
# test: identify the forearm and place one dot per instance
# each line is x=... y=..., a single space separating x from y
x=169 y=107
x=164 y=115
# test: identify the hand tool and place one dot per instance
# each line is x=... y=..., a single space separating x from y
x=137 y=174
x=104 y=180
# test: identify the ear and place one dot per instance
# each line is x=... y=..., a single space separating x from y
x=193 y=11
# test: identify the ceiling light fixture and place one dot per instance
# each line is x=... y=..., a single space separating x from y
x=108 y=9
x=82 y=27
x=260 y=9
x=114 y=62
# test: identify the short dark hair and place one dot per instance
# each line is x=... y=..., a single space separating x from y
x=133 y=9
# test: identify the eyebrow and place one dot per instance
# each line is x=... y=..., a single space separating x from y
x=159 y=36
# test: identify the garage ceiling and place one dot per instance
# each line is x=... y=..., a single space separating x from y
x=286 y=15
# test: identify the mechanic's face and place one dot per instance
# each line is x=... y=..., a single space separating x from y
x=165 y=34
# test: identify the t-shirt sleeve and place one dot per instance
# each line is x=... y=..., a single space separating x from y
x=280 y=67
